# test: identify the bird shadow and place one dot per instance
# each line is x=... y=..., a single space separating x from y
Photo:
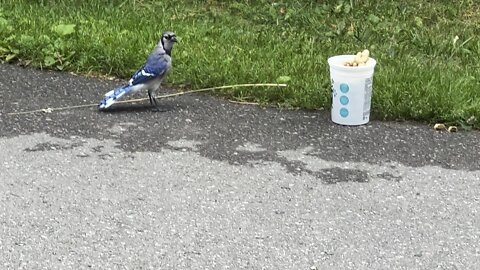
x=129 y=108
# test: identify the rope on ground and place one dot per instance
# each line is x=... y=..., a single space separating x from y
x=49 y=110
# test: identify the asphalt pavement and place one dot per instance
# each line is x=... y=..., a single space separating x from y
x=204 y=183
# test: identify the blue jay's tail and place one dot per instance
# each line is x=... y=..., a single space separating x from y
x=112 y=96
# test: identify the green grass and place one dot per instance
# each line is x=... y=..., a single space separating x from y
x=421 y=73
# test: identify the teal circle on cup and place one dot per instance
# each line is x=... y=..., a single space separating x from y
x=344 y=100
x=343 y=112
x=344 y=88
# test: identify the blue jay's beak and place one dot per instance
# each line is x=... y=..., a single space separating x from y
x=174 y=39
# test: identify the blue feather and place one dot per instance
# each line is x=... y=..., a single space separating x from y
x=113 y=95
x=153 y=67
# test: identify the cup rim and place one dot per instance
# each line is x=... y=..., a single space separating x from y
x=335 y=63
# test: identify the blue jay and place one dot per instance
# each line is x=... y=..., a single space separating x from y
x=149 y=76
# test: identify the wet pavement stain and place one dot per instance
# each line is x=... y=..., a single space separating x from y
x=389 y=177
x=339 y=175
x=52 y=147
x=226 y=130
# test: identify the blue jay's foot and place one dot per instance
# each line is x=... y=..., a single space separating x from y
x=153 y=102
x=158 y=109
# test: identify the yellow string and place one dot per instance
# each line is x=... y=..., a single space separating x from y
x=48 y=110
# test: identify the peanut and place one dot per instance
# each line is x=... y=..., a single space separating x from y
x=359 y=60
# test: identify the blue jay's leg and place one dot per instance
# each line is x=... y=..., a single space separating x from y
x=152 y=99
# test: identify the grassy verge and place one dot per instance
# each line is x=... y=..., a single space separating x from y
x=424 y=72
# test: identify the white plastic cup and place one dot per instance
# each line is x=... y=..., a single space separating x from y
x=351 y=90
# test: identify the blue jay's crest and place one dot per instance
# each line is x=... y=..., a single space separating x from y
x=149 y=76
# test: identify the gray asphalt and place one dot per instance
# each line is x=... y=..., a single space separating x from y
x=208 y=184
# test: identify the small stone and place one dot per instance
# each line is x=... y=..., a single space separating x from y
x=83 y=155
